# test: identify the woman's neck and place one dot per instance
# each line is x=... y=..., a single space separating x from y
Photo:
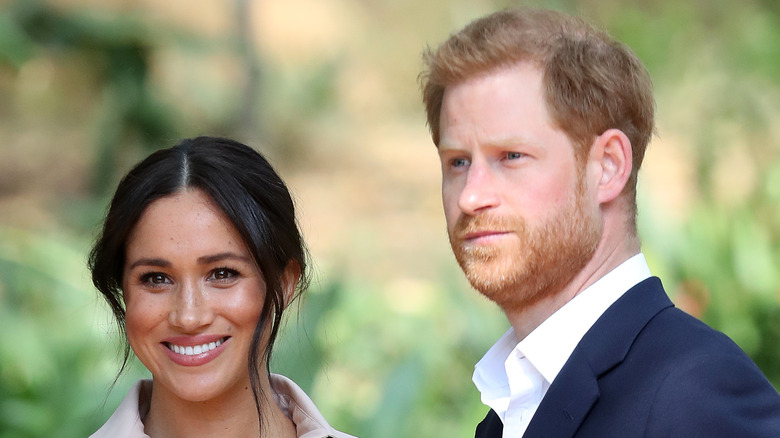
x=232 y=415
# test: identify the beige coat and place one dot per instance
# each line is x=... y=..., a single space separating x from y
x=309 y=423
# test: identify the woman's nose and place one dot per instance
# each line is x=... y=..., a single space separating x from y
x=191 y=309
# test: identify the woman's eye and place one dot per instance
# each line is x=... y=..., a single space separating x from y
x=223 y=274
x=155 y=279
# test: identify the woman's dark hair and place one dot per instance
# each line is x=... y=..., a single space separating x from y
x=249 y=192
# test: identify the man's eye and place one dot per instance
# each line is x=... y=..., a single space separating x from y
x=459 y=162
x=514 y=155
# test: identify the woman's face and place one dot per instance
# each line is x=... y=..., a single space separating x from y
x=193 y=297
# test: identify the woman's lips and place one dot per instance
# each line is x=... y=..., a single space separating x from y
x=194 y=350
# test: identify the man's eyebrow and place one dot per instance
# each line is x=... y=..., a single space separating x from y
x=509 y=142
x=445 y=146
x=151 y=262
x=498 y=143
x=205 y=260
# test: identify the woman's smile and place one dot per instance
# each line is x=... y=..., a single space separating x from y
x=195 y=351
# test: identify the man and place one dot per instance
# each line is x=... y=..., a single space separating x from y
x=541 y=123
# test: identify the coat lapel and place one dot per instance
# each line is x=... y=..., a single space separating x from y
x=575 y=389
x=490 y=427
x=567 y=402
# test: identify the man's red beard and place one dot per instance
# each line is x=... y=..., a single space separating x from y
x=530 y=264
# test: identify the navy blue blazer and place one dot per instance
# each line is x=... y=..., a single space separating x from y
x=648 y=369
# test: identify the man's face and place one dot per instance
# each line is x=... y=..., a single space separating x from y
x=521 y=218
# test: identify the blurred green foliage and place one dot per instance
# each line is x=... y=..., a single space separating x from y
x=390 y=354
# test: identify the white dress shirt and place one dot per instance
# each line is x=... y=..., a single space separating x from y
x=513 y=376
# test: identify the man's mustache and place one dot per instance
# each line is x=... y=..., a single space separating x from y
x=471 y=225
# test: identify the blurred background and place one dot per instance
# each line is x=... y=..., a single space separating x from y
x=386 y=339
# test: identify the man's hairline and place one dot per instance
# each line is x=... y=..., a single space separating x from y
x=482 y=73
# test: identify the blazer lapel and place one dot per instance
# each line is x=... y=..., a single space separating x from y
x=567 y=402
x=604 y=346
x=490 y=427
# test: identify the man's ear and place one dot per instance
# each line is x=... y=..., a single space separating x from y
x=612 y=154
x=290 y=277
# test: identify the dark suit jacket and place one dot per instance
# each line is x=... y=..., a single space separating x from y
x=647 y=369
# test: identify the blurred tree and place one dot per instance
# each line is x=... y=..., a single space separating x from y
x=119 y=48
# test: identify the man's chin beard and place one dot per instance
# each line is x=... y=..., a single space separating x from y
x=518 y=289
x=538 y=266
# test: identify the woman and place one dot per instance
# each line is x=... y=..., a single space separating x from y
x=199 y=255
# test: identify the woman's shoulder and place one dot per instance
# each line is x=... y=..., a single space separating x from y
x=126 y=422
x=296 y=404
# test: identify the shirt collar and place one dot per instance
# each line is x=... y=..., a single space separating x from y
x=490 y=372
x=549 y=346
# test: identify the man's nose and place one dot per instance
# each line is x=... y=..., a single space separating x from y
x=191 y=310
x=480 y=191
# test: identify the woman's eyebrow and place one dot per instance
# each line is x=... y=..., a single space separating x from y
x=151 y=262
x=205 y=260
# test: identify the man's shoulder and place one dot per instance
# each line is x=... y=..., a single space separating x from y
x=668 y=336
x=680 y=377
x=647 y=319
x=677 y=335
x=704 y=382
x=649 y=341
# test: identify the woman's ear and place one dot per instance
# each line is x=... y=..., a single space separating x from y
x=290 y=277
x=612 y=152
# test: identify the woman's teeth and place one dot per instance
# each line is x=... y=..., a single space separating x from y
x=190 y=350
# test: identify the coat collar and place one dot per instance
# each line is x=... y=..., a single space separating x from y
x=309 y=423
x=576 y=387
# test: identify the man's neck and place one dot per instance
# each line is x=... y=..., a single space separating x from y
x=605 y=259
